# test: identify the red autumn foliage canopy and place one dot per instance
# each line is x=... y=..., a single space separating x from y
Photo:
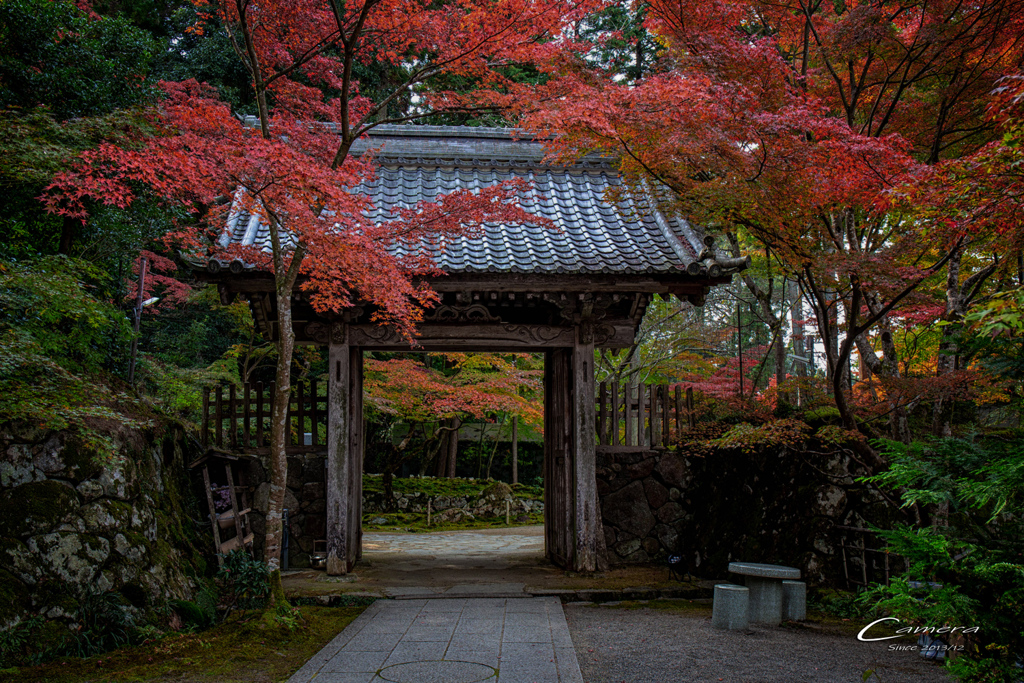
x=294 y=169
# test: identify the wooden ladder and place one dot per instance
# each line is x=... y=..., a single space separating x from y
x=237 y=516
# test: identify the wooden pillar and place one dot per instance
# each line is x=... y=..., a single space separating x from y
x=355 y=449
x=586 y=522
x=344 y=451
x=571 y=520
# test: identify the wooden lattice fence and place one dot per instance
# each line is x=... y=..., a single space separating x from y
x=239 y=419
x=641 y=416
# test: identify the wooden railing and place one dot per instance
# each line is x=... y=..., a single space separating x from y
x=238 y=420
x=634 y=417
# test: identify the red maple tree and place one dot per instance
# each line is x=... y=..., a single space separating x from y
x=294 y=169
x=793 y=121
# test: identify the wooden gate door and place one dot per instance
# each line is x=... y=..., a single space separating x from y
x=558 y=480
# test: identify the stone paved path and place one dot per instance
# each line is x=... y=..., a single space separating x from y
x=499 y=640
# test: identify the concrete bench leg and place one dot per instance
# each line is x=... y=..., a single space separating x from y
x=794 y=600
x=765 y=600
x=730 y=607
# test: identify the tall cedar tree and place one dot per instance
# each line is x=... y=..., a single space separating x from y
x=294 y=168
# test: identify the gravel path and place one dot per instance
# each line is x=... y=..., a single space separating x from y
x=678 y=644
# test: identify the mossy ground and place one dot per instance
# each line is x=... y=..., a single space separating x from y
x=244 y=648
x=417 y=522
x=455 y=488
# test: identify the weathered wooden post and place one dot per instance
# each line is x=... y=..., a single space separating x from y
x=344 y=451
x=584 y=451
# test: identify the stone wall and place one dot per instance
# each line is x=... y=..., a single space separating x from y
x=72 y=524
x=305 y=499
x=775 y=507
x=488 y=504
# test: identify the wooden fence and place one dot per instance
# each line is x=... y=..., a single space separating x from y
x=630 y=417
x=239 y=419
x=633 y=417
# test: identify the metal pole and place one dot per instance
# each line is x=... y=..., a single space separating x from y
x=138 y=318
x=739 y=342
x=515 y=449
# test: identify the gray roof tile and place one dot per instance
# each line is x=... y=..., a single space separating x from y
x=419 y=162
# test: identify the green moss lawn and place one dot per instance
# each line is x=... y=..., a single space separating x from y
x=245 y=648
x=454 y=488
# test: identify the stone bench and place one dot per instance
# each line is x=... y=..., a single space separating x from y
x=730 y=607
x=766 y=590
x=794 y=600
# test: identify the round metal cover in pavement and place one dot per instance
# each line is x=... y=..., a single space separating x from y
x=437 y=672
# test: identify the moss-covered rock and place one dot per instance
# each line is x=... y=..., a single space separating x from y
x=73 y=524
x=499 y=490
x=106 y=516
x=36 y=507
x=16 y=557
x=132 y=546
x=71 y=556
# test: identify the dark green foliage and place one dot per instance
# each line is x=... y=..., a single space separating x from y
x=105 y=623
x=843 y=605
x=102 y=622
x=207 y=57
x=967 y=564
x=51 y=303
x=193 y=614
x=57 y=341
x=246 y=582
x=51 y=54
x=623 y=46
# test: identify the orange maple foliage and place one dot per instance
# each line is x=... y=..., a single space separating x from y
x=475 y=384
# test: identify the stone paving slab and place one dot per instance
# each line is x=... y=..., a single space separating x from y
x=460 y=640
x=478 y=590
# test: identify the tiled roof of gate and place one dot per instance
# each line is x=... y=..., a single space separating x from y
x=417 y=163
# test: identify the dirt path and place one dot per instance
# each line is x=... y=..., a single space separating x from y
x=439 y=560
x=666 y=643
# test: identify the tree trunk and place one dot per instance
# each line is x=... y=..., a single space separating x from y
x=441 y=466
x=279 y=434
x=494 y=451
x=453 y=447
x=958 y=299
x=388 y=482
x=776 y=321
x=68 y=227
x=801 y=367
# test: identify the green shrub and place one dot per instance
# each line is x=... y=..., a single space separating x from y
x=965 y=565
x=245 y=580
x=55 y=339
x=104 y=623
x=16 y=642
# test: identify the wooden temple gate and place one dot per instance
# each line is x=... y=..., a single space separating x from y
x=580 y=282
x=624 y=417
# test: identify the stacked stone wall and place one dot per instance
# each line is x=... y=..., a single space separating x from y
x=72 y=523
x=779 y=507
